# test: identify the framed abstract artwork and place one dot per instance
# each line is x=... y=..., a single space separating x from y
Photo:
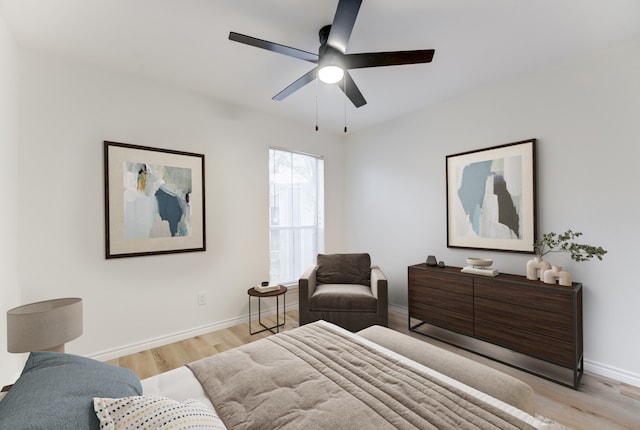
x=154 y=201
x=491 y=198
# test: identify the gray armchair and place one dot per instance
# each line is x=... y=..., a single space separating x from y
x=343 y=289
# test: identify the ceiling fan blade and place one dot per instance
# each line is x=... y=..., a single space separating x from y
x=343 y=23
x=295 y=86
x=349 y=87
x=274 y=47
x=394 y=58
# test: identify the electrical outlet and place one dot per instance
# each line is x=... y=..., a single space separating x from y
x=202 y=298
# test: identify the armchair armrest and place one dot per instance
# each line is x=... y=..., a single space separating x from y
x=307 y=283
x=378 y=282
x=306 y=287
x=379 y=289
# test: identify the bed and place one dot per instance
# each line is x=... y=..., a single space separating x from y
x=316 y=376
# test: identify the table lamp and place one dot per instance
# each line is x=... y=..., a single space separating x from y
x=44 y=326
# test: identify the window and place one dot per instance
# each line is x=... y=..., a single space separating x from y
x=296 y=213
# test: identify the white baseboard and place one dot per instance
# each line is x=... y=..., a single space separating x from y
x=611 y=372
x=156 y=342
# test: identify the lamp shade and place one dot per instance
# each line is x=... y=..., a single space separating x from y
x=44 y=326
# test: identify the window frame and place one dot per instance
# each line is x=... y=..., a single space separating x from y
x=296 y=260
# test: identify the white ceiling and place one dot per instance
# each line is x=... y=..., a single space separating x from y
x=184 y=43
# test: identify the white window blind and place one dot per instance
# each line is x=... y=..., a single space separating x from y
x=296 y=213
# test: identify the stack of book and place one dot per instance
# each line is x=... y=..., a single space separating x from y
x=266 y=288
x=484 y=271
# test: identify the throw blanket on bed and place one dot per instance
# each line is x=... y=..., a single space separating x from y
x=320 y=377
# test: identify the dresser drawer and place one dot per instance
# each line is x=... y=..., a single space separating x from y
x=444 y=318
x=533 y=344
x=552 y=324
x=444 y=299
x=441 y=280
x=550 y=299
x=441 y=299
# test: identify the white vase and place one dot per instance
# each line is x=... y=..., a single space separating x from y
x=536 y=268
x=556 y=273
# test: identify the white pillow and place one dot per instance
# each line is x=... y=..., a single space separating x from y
x=154 y=412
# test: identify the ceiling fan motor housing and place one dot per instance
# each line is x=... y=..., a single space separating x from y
x=324 y=34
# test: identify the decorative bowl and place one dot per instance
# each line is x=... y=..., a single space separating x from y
x=480 y=262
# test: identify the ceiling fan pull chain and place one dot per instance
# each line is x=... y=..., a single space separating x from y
x=344 y=87
x=316 y=103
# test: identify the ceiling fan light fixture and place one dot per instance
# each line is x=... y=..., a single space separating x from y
x=330 y=74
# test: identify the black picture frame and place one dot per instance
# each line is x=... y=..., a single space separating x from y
x=492 y=198
x=154 y=201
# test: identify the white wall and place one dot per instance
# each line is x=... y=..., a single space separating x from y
x=66 y=111
x=9 y=285
x=584 y=114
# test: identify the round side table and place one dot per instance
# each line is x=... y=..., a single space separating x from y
x=275 y=293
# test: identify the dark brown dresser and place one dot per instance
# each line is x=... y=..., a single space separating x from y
x=530 y=318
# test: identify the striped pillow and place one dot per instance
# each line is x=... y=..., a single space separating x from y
x=154 y=412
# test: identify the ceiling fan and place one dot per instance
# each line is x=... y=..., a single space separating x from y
x=332 y=59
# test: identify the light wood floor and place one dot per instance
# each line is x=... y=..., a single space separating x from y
x=599 y=404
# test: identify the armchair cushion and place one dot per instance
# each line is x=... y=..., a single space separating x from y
x=341 y=297
x=344 y=269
